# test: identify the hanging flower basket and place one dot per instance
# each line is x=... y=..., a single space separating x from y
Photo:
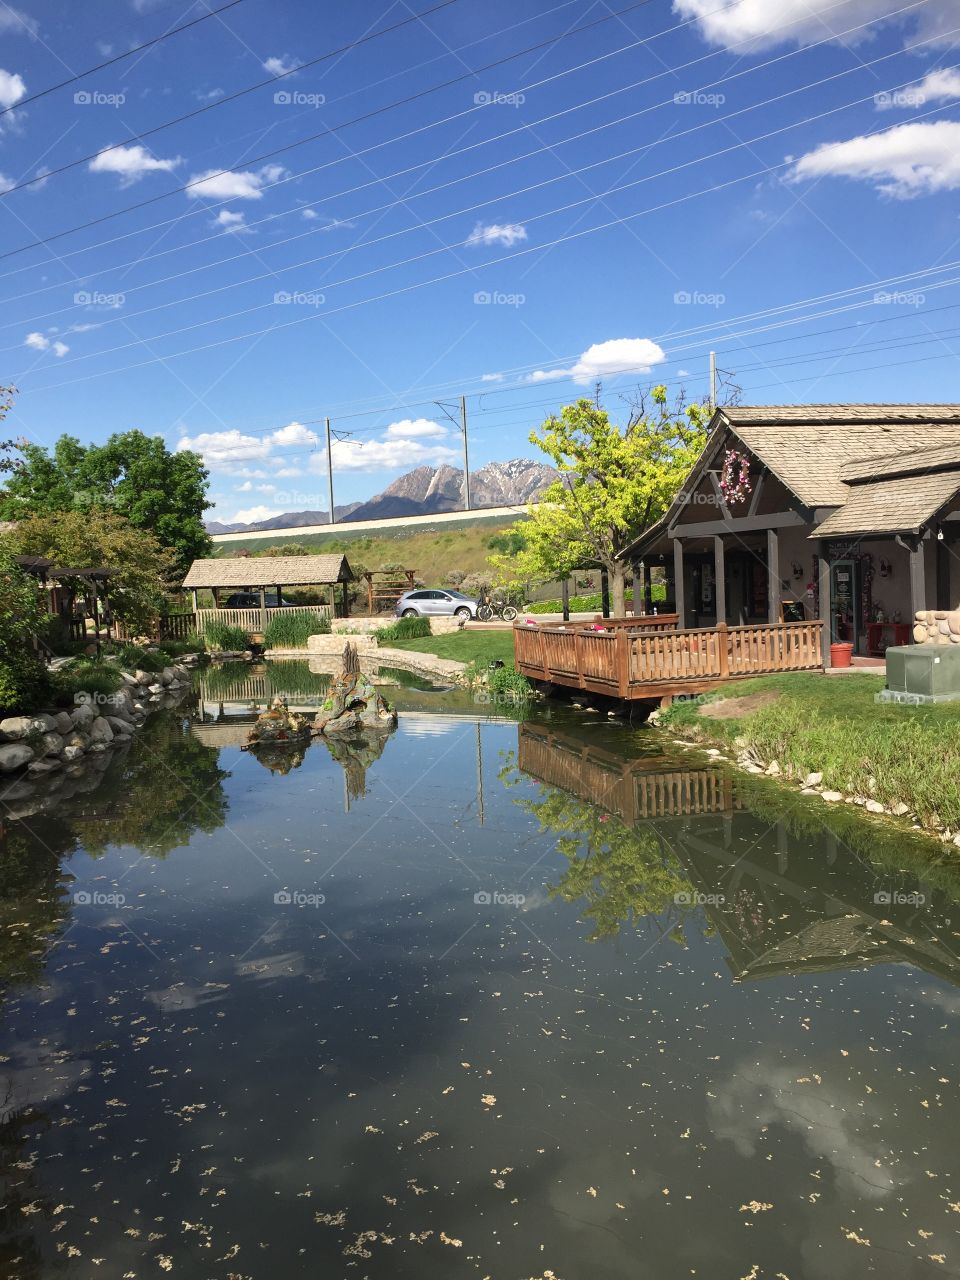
x=735 y=477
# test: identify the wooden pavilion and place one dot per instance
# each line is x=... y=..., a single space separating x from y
x=260 y=576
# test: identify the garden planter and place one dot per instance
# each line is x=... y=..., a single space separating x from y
x=840 y=655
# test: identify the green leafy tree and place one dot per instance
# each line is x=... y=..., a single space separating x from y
x=132 y=474
x=23 y=615
x=98 y=538
x=7 y=461
x=614 y=483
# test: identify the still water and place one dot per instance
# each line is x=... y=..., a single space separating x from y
x=479 y=998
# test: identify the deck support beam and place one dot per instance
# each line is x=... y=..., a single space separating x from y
x=678 y=584
x=720 y=580
x=773 y=576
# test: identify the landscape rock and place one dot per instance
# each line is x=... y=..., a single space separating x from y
x=813 y=780
x=38 y=768
x=52 y=744
x=100 y=732
x=13 y=755
x=899 y=809
x=831 y=796
x=71 y=753
x=119 y=726
x=16 y=727
x=63 y=722
x=772 y=770
x=874 y=806
x=83 y=715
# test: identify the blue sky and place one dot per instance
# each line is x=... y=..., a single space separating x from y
x=774 y=179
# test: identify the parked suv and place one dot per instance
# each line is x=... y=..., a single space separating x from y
x=433 y=603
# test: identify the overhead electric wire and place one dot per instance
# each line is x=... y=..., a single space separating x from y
x=421 y=224
x=109 y=62
x=212 y=206
x=444 y=248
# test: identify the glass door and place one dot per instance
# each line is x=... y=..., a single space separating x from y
x=844 y=598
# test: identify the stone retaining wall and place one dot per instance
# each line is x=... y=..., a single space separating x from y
x=937 y=626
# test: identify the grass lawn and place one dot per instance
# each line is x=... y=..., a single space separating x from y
x=811 y=723
x=465 y=646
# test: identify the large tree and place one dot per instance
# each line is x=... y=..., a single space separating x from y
x=614 y=483
x=132 y=474
x=95 y=539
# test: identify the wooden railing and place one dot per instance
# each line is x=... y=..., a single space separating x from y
x=627 y=661
x=252 y=619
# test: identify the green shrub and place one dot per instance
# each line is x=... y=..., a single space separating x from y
x=191 y=643
x=85 y=675
x=221 y=635
x=592 y=603
x=403 y=629
x=508 y=682
x=131 y=656
x=24 y=682
x=292 y=630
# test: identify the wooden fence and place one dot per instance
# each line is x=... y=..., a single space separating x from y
x=642 y=662
x=253 y=620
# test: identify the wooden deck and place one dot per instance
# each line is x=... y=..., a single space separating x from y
x=641 y=663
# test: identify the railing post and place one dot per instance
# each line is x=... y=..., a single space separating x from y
x=623 y=642
x=722 y=654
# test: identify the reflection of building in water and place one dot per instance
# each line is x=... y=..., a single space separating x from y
x=785 y=896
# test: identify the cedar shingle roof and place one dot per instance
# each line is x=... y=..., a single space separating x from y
x=810 y=457
x=775 y=414
x=939 y=458
x=268 y=571
x=898 y=505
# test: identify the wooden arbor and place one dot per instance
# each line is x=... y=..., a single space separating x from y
x=383 y=595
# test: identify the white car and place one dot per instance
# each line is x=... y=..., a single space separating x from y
x=431 y=602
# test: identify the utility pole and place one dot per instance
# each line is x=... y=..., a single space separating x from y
x=333 y=518
x=466 y=454
x=713 y=381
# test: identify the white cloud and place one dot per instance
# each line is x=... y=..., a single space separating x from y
x=246 y=487
x=17 y=23
x=619 y=355
x=280 y=66
x=492 y=377
x=12 y=88
x=764 y=23
x=906 y=161
x=384 y=455
x=229 y=450
x=410 y=429
x=507 y=233
x=234 y=222
x=40 y=342
x=215 y=184
x=938 y=86
x=251 y=515
x=131 y=163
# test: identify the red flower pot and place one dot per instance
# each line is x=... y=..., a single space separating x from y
x=840 y=655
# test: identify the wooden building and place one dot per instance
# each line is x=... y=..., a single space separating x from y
x=844 y=514
x=256 y=584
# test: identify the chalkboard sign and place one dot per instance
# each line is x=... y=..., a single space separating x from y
x=793 y=611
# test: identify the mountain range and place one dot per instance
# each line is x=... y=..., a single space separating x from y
x=425 y=491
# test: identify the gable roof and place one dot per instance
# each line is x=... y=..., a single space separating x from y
x=939 y=458
x=902 y=504
x=268 y=571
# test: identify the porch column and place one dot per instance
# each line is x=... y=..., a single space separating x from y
x=678 y=583
x=196 y=606
x=647 y=588
x=263 y=609
x=637 y=587
x=346 y=599
x=918 y=579
x=943 y=572
x=565 y=598
x=605 y=593
x=823 y=580
x=773 y=576
x=720 y=580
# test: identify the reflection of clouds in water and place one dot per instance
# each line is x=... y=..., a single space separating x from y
x=181 y=996
x=287 y=965
x=36 y=1079
x=827 y=1117
x=947 y=1001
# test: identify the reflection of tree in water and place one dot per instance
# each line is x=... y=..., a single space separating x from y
x=356 y=752
x=22 y=1199
x=623 y=875
x=155 y=796
x=33 y=894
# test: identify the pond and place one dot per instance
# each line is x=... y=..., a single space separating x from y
x=485 y=997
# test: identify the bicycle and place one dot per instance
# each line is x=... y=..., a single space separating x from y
x=495 y=607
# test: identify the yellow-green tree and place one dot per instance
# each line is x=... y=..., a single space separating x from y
x=614 y=482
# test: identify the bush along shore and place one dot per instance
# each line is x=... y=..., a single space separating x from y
x=44 y=750
x=829 y=738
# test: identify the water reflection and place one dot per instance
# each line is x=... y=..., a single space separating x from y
x=648 y=841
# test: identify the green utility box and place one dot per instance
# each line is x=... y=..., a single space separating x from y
x=920 y=673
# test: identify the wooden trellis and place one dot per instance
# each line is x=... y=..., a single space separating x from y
x=382 y=595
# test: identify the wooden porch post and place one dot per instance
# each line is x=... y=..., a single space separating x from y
x=647 y=588
x=196 y=606
x=565 y=599
x=678 y=585
x=720 y=580
x=824 y=591
x=263 y=609
x=918 y=579
x=637 y=587
x=346 y=598
x=943 y=574
x=773 y=576
x=605 y=593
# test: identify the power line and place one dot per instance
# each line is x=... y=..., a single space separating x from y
x=207 y=208
x=109 y=62
x=562 y=177
x=369 y=115
x=454 y=274
x=219 y=102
